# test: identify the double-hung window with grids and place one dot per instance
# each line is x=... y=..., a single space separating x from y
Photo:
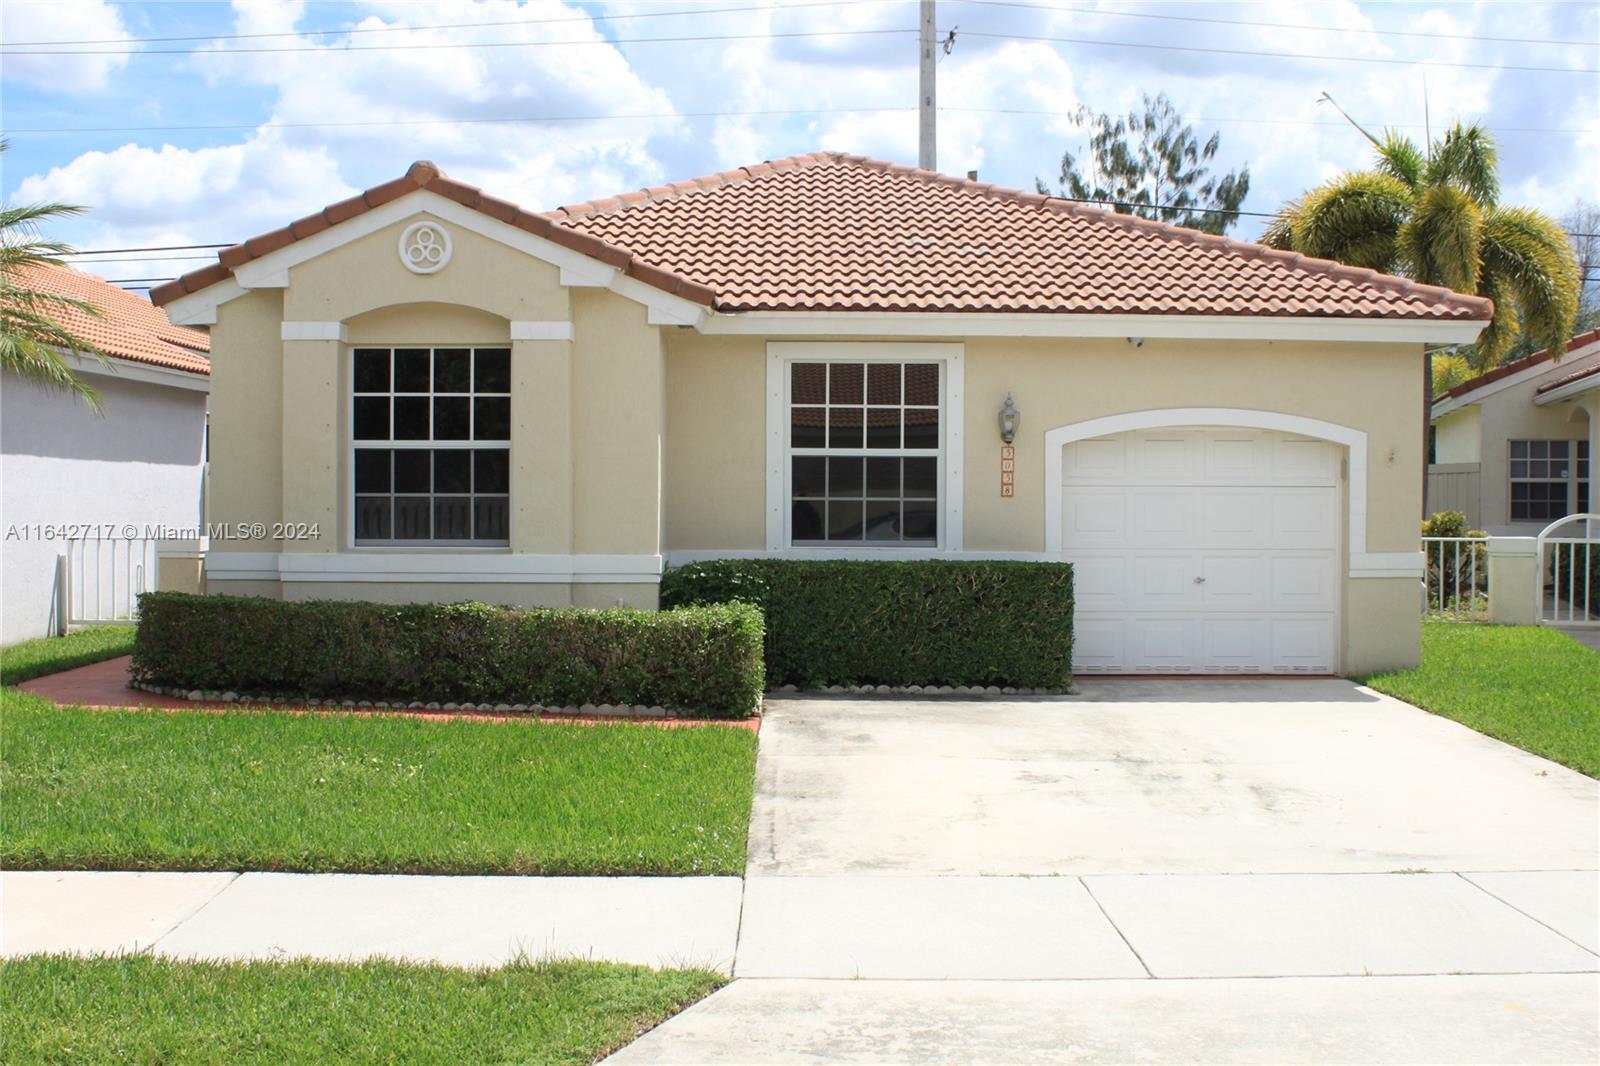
x=864 y=451
x=431 y=431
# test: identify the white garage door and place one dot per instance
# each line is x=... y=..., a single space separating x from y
x=1203 y=550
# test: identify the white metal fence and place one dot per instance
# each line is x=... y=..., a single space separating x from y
x=100 y=578
x=1456 y=573
x=1568 y=583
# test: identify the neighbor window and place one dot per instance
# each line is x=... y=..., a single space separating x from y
x=864 y=453
x=1549 y=479
x=432 y=431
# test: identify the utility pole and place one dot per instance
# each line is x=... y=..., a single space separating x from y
x=927 y=109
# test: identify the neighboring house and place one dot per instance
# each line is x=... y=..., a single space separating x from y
x=1512 y=448
x=68 y=474
x=434 y=394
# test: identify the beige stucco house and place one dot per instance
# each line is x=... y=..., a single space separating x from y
x=1512 y=447
x=425 y=392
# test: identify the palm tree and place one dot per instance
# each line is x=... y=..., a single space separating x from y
x=1434 y=215
x=33 y=344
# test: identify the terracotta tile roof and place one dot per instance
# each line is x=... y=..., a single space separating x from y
x=834 y=232
x=128 y=326
x=1516 y=366
x=845 y=233
x=1568 y=379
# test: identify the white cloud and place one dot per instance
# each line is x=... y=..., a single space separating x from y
x=1006 y=101
x=64 y=20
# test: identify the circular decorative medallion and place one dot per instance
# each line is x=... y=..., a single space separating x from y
x=425 y=247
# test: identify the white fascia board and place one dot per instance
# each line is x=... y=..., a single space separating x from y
x=1186 y=327
x=1570 y=391
x=577 y=270
x=435 y=567
x=200 y=308
x=147 y=373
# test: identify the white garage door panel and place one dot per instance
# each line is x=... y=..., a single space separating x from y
x=1203 y=550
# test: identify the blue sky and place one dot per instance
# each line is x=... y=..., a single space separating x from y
x=299 y=128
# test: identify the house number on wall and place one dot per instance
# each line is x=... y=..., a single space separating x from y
x=1008 y=469
x=425 y=247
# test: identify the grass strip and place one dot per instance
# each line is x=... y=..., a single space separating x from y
x=1533 y=687
x=51 y=655
x=136 y=790
x=142 y=1009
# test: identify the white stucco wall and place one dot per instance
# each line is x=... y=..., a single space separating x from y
x=138 y=462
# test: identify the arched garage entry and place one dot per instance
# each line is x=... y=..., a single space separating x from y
x=1206 y=540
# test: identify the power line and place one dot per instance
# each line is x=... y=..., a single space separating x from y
x=440 y=26
x=433 y=45
x=769 y=113
x=151 y=248
x=700 y=38
x=1273 y=55
x=1271 y=25
x=460 y=121
x=1202 y=119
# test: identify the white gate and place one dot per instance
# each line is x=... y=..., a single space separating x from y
x=1568 y=583
x=101 y=578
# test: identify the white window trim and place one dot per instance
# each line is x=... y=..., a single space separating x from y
x=951 y=444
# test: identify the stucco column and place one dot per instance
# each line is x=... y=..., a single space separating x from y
x=1513 y=577
x=541 y=447
x=312 y=473
x=1591 y=404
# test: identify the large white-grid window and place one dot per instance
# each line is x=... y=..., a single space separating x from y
x=431 y=432
x=864 y=448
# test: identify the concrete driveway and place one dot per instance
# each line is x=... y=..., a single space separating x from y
x=1154 y=777
x=1109 y=877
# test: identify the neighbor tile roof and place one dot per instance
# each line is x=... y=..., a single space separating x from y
x=1516 y=366
x=1568 y=379
x=834 y=232
x=127 y=326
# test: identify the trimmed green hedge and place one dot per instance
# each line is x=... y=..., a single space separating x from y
x=841 y=622
x=705 y=660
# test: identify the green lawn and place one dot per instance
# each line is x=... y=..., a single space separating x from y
x=49 y=655
x=139 y=1009
x=136 y=790
x=1532 y=687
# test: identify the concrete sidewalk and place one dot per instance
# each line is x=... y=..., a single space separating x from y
x=461 y=921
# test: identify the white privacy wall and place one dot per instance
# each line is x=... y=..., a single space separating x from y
x=138 y=462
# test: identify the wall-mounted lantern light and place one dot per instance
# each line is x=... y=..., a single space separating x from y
x=1009 y=417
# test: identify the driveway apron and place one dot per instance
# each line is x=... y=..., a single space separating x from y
x=1251 y=870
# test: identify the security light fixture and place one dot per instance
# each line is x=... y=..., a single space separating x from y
x=1009 y=417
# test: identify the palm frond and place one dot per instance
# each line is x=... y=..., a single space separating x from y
x=1438 y=245
x=1500 y=335
x=1526 y=254
x=1355 y=219
x=1400 y=158
x=1466 y=157
x=1280 y=231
